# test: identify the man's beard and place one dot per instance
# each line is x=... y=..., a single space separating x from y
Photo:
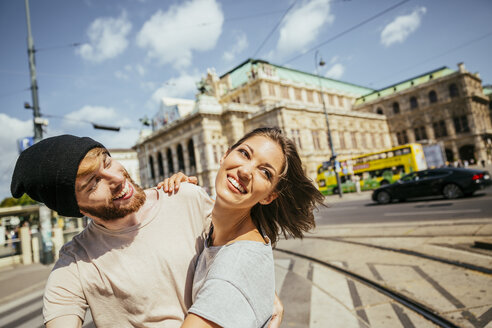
x=111 y=212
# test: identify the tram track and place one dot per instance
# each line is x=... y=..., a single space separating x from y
x=413 y=305
x=459 y=264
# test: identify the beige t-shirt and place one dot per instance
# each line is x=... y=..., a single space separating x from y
x=135 y=277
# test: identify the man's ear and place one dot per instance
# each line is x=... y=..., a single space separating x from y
x=268 y=199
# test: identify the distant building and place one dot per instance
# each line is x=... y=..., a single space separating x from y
x=441 y=106
x=128 y=158
x=254 y=94
x=171 y=109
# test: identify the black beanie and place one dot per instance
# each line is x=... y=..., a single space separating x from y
x=47 y=170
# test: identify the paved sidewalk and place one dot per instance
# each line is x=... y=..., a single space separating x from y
x=315 y=296
x=19 y=280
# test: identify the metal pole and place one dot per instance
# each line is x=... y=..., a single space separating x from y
x=330 y=142
x=38 y=130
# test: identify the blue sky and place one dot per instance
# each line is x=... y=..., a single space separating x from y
x=132 y=52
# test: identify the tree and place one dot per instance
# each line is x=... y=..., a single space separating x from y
x=23 y=200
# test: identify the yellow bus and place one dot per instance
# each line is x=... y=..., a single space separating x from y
x=372 y=170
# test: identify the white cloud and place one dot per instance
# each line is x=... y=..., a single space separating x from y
x=107 y=37
x=336 y=71
x=140 y=70
x=97 y=114
x=172 y=36
x=401 y=27
x=125 y=138
x=121 y=75
x=302 y=26
x=12 y=129
x=239 y=46
x=179 y=87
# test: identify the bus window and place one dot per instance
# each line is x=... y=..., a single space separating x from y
x=400 y=169
x=405 y=151
x=389 y=154
x=398 y=152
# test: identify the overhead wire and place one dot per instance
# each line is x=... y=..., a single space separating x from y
x=7 y=94
x=274 y=28
x=347 y=30
x=460 y=46
x=70 y=45
x=79 y=120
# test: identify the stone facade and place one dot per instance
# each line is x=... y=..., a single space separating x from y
x=442 y=106
x=257 y=93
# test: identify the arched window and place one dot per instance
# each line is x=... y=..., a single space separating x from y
x=151 y=166
x=453 y=90
x=432 y=97
x=191 y=155
x=413 y=103
x=170 y=164
x=396 y=108
x=160 y=164
x=379 y=110
x=181 y=163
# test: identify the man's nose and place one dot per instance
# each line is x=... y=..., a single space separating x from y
x=115 y=179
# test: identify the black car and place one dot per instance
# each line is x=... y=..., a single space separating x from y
x=448 y=182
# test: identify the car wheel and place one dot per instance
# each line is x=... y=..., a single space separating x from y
x=383 y=197
x=335 y=190
x=452 y=191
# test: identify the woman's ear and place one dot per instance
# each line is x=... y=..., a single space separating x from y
x=268 y=199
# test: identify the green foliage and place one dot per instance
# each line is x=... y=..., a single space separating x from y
x=23 y=200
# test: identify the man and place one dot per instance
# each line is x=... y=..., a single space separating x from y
x=133 y=264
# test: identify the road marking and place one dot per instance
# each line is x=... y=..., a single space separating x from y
x=433 y=212
x=340 y=208
x=20 y=300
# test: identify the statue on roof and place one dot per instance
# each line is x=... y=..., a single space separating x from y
x=208 y=85
x=204 y=88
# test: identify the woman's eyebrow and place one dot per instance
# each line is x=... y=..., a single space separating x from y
x=266 y=163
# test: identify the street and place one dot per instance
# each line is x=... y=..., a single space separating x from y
x=346 y=273
x=361 y=209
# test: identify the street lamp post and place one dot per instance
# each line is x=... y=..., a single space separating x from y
x=330 y=142
x=38 y=127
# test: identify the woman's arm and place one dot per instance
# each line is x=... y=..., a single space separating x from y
x=195 y=321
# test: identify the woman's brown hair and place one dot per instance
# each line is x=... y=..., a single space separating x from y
x=291 y=213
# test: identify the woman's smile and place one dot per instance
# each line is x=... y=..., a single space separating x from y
x=236 y=185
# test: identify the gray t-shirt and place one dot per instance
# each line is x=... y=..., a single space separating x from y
x=234 y=285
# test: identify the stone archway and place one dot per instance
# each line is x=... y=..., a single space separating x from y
x=467 y=152
x=449 y=155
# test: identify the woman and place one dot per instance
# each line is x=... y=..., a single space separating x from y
x=261 y=192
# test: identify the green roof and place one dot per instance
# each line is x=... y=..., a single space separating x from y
x=410 y=83
x=239 y=76
x=487 y=90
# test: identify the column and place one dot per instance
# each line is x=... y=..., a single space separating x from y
x=25 y=243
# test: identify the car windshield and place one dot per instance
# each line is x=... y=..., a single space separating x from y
x=408 y=177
